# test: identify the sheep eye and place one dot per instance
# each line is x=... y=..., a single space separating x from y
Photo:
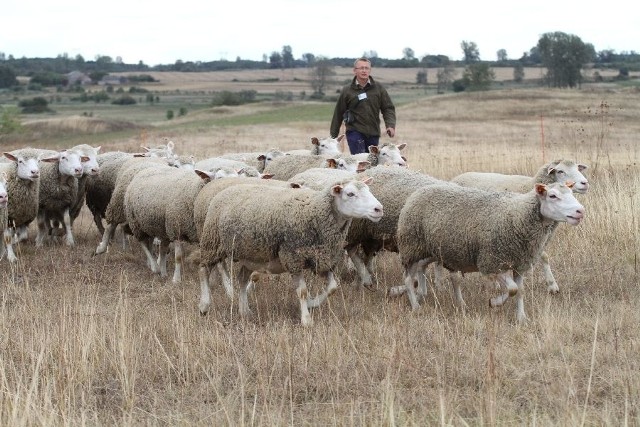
x=553 y=196
x=560 y=172
x=351 y=194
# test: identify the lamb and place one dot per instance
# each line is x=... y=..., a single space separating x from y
x=292 y=231
x=23 y=188
x=6 y=238
x=494 y=233
x=255 y=159
x=556 y=171
x=321 y=147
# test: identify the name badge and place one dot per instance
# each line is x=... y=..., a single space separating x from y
x=362 y=96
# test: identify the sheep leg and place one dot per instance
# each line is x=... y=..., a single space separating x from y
x=97 y=219
x=22 y=233
x=331 y=287
x=363 y=272
x=514 y=285
x=245 y=276
x=162 y=257
x=225 y=277
x=455 y=280
x=68 y=229
x=521 y=316
x=301 y=291
x=552 y=285
x=438 y=275
x=42 y=229
x=8 y=246
x=151 y=260
x=177 y=269
x=109 y=231
x=409 y=279
x=205 y=294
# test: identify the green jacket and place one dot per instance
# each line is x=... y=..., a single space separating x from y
x=366 y=111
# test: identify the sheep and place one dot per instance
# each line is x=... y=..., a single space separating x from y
x=291 y=231
x=115 y=212
x=319 y=178
x=258 y=160
x=23 y=188
x=215 y=163
x=392 y=186
x=283 y=168
x=321 y=147
x=59 y=175
x=5 y=243
x=386 y=154
x=149 y=216
x=494 y=233
x=556 y=171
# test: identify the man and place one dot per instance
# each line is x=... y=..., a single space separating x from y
x=359 y=107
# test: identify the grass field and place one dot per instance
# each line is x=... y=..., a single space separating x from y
x=100 y=340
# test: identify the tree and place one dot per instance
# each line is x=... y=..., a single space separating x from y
x=275 y=60
x=444 y=77
x=287 y=57
x=320 y=73
x=564 y=55
x=421 y=77
x=309 y=58
x=470 y=52
x=408 y=54
x=478 y=76
x=518 y=72
x=7 y=76
x=501 y=55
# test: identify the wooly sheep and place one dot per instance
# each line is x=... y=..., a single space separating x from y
x=283 y=168
x=556 y=171
x=257 y=160
x=327 y=147
x=59 y=175
x=320 y=178
x=23 y=188
x=293 y=230
x=5 y=243
x=471 y=230
x=391 y=186
x=115 y=211
x=216 y=163
x=386 y=154
x=149 y=215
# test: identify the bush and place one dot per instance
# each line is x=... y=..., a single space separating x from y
x=9 y=121
x=124 y=100
x=169 y=114
x=458 y=85
x=35 y=105
x=182 y=111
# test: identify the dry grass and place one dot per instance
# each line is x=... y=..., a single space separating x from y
x=101 y=341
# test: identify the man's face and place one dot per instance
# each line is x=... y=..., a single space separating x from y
x=362 y=70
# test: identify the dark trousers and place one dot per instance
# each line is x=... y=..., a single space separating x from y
x=359 y=142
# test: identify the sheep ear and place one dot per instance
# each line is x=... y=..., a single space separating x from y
x=266 y=176
x=367 y=180
x=340 y=137
x=362 y=166
x=315 y=141
x=374 y=149
x=261 y=157
x=204 y=174
x=541 y=189
x=10 y=157
x=402 y=146
x=582 y=167
x=570 y=184
x=332 y=164
x=85 y=158
x=295 y=185
x=336 y=189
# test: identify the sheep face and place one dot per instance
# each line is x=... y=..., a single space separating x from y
x=327 y=146
x=355 y=200
x=570 y=171
x=389 y=154
x=69 y=162
x=27 y=167
x=4 y=195
x=557 y=203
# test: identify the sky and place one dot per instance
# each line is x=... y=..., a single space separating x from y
x=196 y=30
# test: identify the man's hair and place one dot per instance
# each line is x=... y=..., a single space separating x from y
x=363 y=59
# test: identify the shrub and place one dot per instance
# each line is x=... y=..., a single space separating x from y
x=35 y=105
x=9 y=121
x=169 y=114
x=124 y=100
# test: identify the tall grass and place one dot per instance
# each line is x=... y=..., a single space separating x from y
x=100 y=340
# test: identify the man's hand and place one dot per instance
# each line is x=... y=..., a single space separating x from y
x=391 y=132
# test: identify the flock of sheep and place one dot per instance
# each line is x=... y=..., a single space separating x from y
x=296 y=212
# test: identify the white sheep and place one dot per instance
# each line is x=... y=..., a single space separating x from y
x=115 y=212
x=6 y=239
x=216 y=163
x=559 y=170
x=327 y=147
x=385 y=154
x=257 y=160
x=59 y=175
x=320 y=178
x=23 y=187
x=471 y=230
x=292 y=231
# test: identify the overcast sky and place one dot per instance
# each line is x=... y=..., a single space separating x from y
x=197 y=30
